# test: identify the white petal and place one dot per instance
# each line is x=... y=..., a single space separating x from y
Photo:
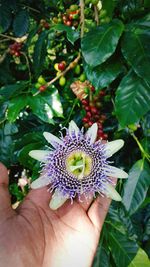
x=52 y=139
x=73 y=129
x=40 y=155
x=113 y=146
x=115 y=172
x=91 y=134
x=112 y=193
x=40 y=182
x=57 y=200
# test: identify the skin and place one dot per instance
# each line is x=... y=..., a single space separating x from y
x=33 y=235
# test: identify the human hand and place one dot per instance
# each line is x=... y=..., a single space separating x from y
x=33 y=235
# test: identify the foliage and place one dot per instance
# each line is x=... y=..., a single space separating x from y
x=104 y=51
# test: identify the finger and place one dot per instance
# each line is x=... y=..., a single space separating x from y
x=85 y=202
x=98 y=211
x=40 y=197
x=5 y=201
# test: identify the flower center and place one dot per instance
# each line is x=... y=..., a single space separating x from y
x=79 y=164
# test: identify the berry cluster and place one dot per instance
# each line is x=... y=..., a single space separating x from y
x=15 y=48
x=43 y=25
x=93 y=114
x=71 y=17
x=41 y=84
x=59 y=67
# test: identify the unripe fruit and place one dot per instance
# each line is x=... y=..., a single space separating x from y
x=103 y=13
x=62 y=81
x=73 y=7
x=56 y=66
x=94 y=2
x=132 y=127
x=77 y=69
x=41 y=80
x=37 y=85
x=82 y=77
x=86 y=90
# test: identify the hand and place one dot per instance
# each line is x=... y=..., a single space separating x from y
x=35 y=236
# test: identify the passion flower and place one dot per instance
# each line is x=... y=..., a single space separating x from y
x=77 y=165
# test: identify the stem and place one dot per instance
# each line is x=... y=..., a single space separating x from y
x=96 y=14
x=2 y=58
x=146 y=155
x=28 y=65
x=82 y=17
x=73 y=106
x=19 y=40
x=70 y=66
x=31 y=8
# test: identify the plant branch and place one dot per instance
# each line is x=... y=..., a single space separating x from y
x=2 y=58
x=82 y=17
x=96 y=14
x=70 y=66
x=146 y=155
x=19 y=40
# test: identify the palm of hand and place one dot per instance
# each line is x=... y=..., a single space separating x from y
x=34 y=235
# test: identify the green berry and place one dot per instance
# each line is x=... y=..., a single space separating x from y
x=86 y=90
x=62 y=81
x=103 y=13
x=94 y=2
x=37 y=85
x=82 y=77
x=77 y=69
x=132 y=127
x=41 y=80
x=73 y=7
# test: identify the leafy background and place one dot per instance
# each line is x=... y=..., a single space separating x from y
x=115 y=58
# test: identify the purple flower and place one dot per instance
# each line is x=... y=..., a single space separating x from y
x=77 y=165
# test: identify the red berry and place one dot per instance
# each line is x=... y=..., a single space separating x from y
x=103 y=117
x=85 y=119
x=92 y=88
x=87 y=108
x=88 y=114
x=62 y=65
x=105 y=136
x=90 y=123
x=102 y=93
x=68 y=23
x=42 y=88
x=100 y=131
x=64 y=17
x=85 y=102
x=17 y=54
x=94 y=110
x=46 y=25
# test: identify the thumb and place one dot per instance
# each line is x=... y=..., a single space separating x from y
x=5 y=202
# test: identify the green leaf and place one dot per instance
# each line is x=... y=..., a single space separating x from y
x=72 y=35
x=102 y=75
x=12 y=90
x=100 y=43
x=135 y=48
x=122 y=248
x=40 y=51
x=102 y=257
x=24 y=157
x=5 y=16
x=47 y=105
x=132 y=99
x=15 y=106
x=21 y=23
x=140 y=260
x=136 y=186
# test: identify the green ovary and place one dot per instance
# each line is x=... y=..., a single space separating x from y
x=79 y=164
